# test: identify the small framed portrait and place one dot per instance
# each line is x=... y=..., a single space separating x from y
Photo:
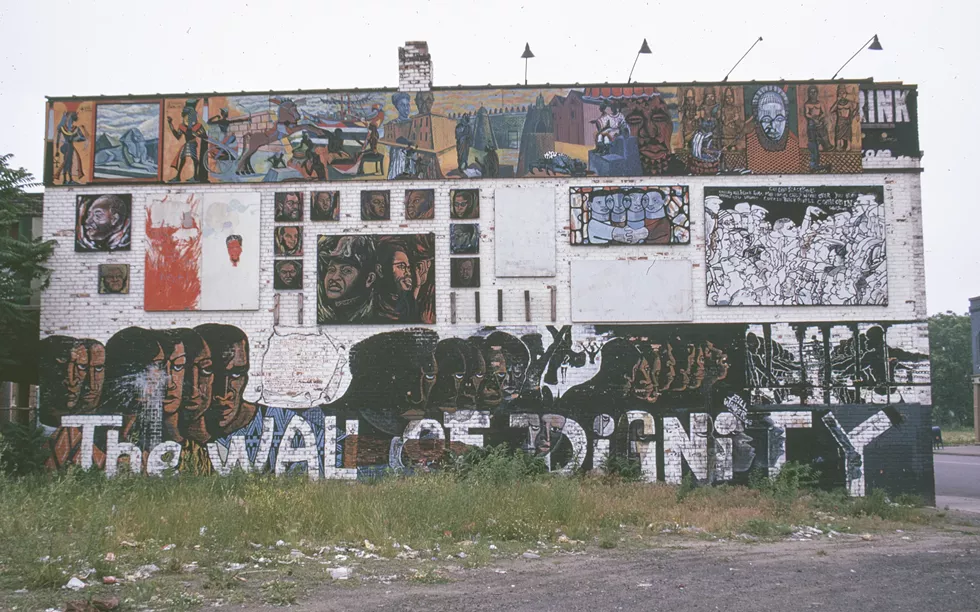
x=289 y=274
x=103 y=222
x=375 y=205
x=464 y=272
x=289 y=206
x=464 y=204
x=113 y=278
x=289 y=241
x=325 y=206
x=464 y=238
x=420 y=204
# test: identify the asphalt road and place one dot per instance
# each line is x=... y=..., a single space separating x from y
x=958 y=478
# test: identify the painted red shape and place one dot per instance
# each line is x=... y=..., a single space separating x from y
x=173 y=256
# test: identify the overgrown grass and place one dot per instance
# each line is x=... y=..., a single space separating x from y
x=57 y=525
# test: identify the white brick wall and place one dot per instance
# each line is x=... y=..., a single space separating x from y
x=72 y=305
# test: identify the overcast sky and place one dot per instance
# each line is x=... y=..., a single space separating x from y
x=88 y=47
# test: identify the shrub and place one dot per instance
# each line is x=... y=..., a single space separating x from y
x=495 y=465
x=22 y=449
x=629 y=470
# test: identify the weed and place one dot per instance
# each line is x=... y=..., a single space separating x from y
x=279 y=593
x=22 y=449
x=765 y=528
x=821 y=553
x=686 y=488
x=623 y=468
x=495 y=465
x=429 y=577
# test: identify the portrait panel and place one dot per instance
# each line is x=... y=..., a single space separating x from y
x=464 y=204
x=325 y=206
x=113 y=278
x=103 y=222
x=289 y=274
x=289 y=241
x=289 y=206
x=464 y=272
x=420 y=204
x=375 y=205
x=376 y=279
x=464 y=238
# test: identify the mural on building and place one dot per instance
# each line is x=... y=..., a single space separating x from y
x=202 y=252
x=325 y=206
x=113 y=278
x=420 y=204
x=464 y=204
x=791 y=246
x=464 y=272
x=127 y=142
x=288 y=274
x=288 y=241
x=103 y=222
x=464 y=238
x=381 y=279
x=889 y=121
x=630 y=215
x=759 y=128
x=711 y=400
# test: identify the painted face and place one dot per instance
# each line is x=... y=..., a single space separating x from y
x=173 y=368
x=416 y=206
x=287 y=273
x=234 y=251
x=643 y=384
x=466 y=271
x=341 y=279
x=230 y=377
x=620 y=206
x=772 y=118
x=290 y=238
x=547 y=434
x=634 y=204
x=290 y=206
x=76 y=372
x=95 y=379
x=99 y=221
x=496 y=376
x=729 y=96
x=324 y=205
x=201 y=385
x=378 y=205
x=401 y=271
x=404 y=106
x=461 y=206
x=115 y=280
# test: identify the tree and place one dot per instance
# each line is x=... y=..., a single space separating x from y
x=952 y=367
x=22 y=262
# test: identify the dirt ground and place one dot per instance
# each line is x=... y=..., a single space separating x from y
x=925 y=570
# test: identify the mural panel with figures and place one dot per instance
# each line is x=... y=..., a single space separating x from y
x=757 y=128
x=376 y=279
x=795 y=246
x=630 y=215
x=714 y=401
x=202 y=252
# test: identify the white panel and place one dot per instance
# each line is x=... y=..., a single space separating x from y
x=226 y=285
x=636 y=291
x=525 y=231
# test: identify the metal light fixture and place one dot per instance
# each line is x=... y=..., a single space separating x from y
x=872 y=45
x=526 y=55
x=644 y=48
x=757 y=41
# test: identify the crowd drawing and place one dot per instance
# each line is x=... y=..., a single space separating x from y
x=573 y=396
x=795 y=246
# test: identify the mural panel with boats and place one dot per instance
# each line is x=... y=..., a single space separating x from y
x=757 y=128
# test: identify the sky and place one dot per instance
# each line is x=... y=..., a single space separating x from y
x=93 y=47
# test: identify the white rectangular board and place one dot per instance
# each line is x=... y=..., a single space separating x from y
x=615 y=291
x=525 y=224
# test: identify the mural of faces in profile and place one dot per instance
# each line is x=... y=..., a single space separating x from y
x=113 y=278
x=103 y=222
x=289 y=206
x=325 y=206
x=375 y=205
x=464 y=238
x=289 y=241
x=464 y=204
x=465 y=272
x=420 y=204
x=289 y=274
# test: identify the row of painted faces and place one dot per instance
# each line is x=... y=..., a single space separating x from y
x=192 y=380
x=376 y=205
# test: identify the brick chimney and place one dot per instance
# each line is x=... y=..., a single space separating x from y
x=414 y=66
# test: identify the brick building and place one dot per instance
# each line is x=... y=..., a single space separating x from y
x=699 y=315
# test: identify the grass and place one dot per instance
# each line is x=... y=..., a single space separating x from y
x=262 y=538
x=958 y=436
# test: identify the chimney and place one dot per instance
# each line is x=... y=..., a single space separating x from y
x=414 y=66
